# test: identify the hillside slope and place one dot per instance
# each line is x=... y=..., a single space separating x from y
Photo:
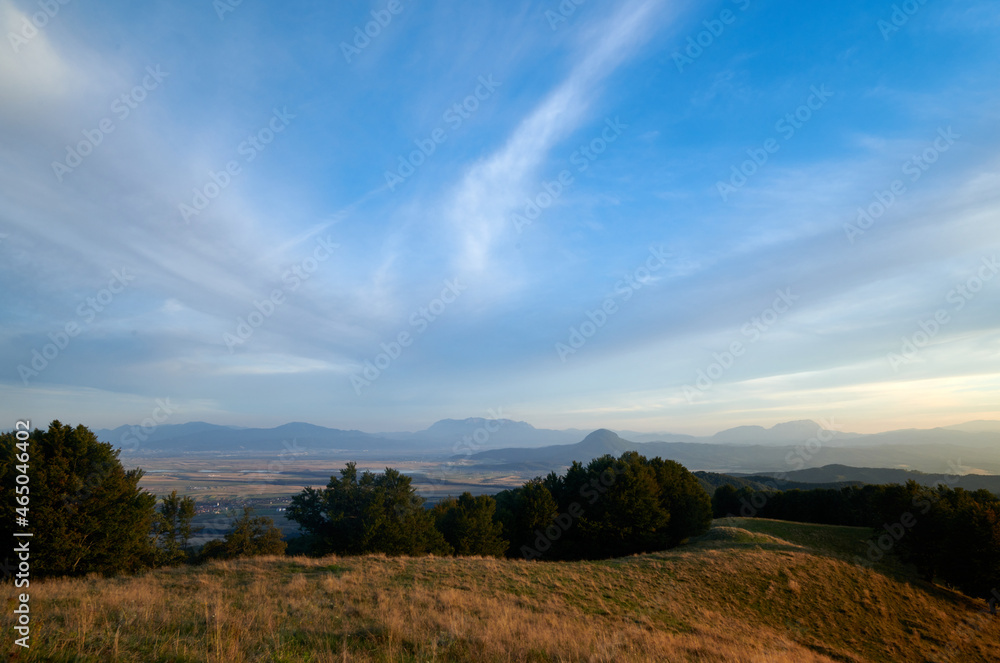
x=712 y=480
x=829 y=475
x=749 y=590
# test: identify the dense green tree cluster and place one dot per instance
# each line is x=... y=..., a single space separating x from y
x=249 y=536
x=525 y=512
x=951 y=534
x=947 y=534
x=609 y=508
x=88 y=514
x=469 y=526
x=172 y=528
x=367 y=512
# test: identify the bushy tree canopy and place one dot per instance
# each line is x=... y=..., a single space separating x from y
x=172 y=528
x=250 y=536
x=367 y=512
x=86 y=511
x=524 y=512
x=468 y=525
x=607 y=508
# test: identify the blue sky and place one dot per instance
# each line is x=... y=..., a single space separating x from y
x=640 y=214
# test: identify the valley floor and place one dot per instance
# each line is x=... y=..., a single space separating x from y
x=749 y=590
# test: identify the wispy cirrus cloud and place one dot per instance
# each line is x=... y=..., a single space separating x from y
x=480 y=205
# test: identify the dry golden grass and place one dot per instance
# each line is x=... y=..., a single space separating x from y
x=735 y=596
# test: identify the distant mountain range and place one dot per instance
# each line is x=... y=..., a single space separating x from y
x=444 y=438
x=969 y=448
x=939 y=450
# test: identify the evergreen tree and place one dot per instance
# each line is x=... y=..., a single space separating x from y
x=683 y=497
x=725 y=502
x=607 y=508
x=622 y=510
x=172 y=528
x=86 y=511
x=468 y=525
x=367 y=512
x=525 y=513
x=250 y=536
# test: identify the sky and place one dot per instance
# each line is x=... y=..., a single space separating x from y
x=647 y=214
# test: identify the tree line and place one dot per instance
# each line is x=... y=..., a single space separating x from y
x=947 y=534
x=88 y=513
x=609 y=508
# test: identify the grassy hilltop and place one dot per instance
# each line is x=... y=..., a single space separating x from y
x=748 y=590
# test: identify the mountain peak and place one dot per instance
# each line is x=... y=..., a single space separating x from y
x=789 y=432
x=602 y=434
x=470 y=423
x=603 y=441
x=806 y=427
